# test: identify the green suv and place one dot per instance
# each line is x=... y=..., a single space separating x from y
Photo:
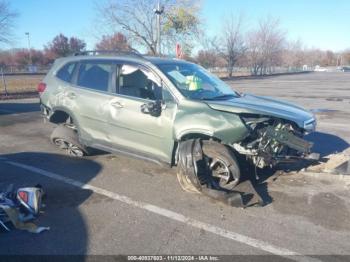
x=172 y=111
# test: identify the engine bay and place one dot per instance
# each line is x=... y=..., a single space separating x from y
x=272 y=141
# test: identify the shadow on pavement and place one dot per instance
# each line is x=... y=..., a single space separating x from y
x=69 y=233
x=16 y=108
x=257 y=177
x=326 y=144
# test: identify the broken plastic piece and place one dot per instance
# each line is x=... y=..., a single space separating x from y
x=313 y=156
x=343 y=169
x=236 y=198
x=286 y=138
x=20 y=206
x=14 y=217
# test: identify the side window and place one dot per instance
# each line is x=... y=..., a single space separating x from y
x=66 y=72
x=95 y=76
x=137 y=82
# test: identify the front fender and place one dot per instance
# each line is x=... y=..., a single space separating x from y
x=198 y=118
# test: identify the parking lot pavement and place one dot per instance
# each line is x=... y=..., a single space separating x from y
x=107 y=204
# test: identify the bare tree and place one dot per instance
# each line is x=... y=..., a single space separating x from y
x=181 y=25
x=233 y=44
x=294 y=55
x=7 y=22
x=209 y=54
x=207 y=58
x=265 y=46
x=329 y=58
x=137 y=21
x=345 y=57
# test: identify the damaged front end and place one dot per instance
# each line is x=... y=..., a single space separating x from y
x=272 y=141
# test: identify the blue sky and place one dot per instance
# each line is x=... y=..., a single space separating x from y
x=323 y=24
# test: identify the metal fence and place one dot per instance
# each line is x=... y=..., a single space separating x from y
x=247 y=71
x=24 y=80
x=19 y=83
x=29 y=69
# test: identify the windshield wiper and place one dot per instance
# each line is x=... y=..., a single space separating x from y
x=220 y=97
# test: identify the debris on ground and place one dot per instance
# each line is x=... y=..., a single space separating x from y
x=330 y=164
x=343 y=168
x=18 y=208
x=244 y=196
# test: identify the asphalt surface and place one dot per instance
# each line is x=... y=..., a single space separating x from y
x=110 y=204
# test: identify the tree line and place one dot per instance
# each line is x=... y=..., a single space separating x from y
x=60 y=46
x=262 y=49
x=133 y=24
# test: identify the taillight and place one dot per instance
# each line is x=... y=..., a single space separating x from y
x=23 y=195
x=41 y=87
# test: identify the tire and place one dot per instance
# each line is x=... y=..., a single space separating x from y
x=220 y=158
x=185 y=168
x=184 y=182
x=216 y=157
x=67 y=138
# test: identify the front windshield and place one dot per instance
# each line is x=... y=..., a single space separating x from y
x=194 y=82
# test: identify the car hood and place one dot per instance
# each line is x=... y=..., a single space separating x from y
x=267 y=106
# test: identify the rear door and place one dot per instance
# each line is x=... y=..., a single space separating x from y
x=89 y=96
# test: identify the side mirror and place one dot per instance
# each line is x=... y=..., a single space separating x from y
x=152 y=108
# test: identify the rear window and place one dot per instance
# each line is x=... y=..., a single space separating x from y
x=95 y=76
x=66 y=72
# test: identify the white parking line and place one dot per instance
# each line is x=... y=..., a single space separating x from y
x=256 y=243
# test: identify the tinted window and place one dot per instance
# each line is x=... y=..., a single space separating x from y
x=66 y=72
x=94 y=75
x=136 y=82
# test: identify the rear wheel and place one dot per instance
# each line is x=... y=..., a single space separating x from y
x=66 y=138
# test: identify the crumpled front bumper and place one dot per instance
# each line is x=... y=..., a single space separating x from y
x=284 y=137
x=292 y=141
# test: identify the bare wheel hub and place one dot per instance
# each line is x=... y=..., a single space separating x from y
x=71 y=149
x=220 y=170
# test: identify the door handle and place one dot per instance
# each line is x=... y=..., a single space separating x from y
x=117 y=104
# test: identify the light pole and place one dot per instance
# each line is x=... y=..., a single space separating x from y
x=29 y=51
x=158 y=11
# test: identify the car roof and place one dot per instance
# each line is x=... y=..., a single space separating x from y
x=164 y=60
x=129 y=58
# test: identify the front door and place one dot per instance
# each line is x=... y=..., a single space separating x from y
x=131 y=128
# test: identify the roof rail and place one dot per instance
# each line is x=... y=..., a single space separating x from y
x=131 y=52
